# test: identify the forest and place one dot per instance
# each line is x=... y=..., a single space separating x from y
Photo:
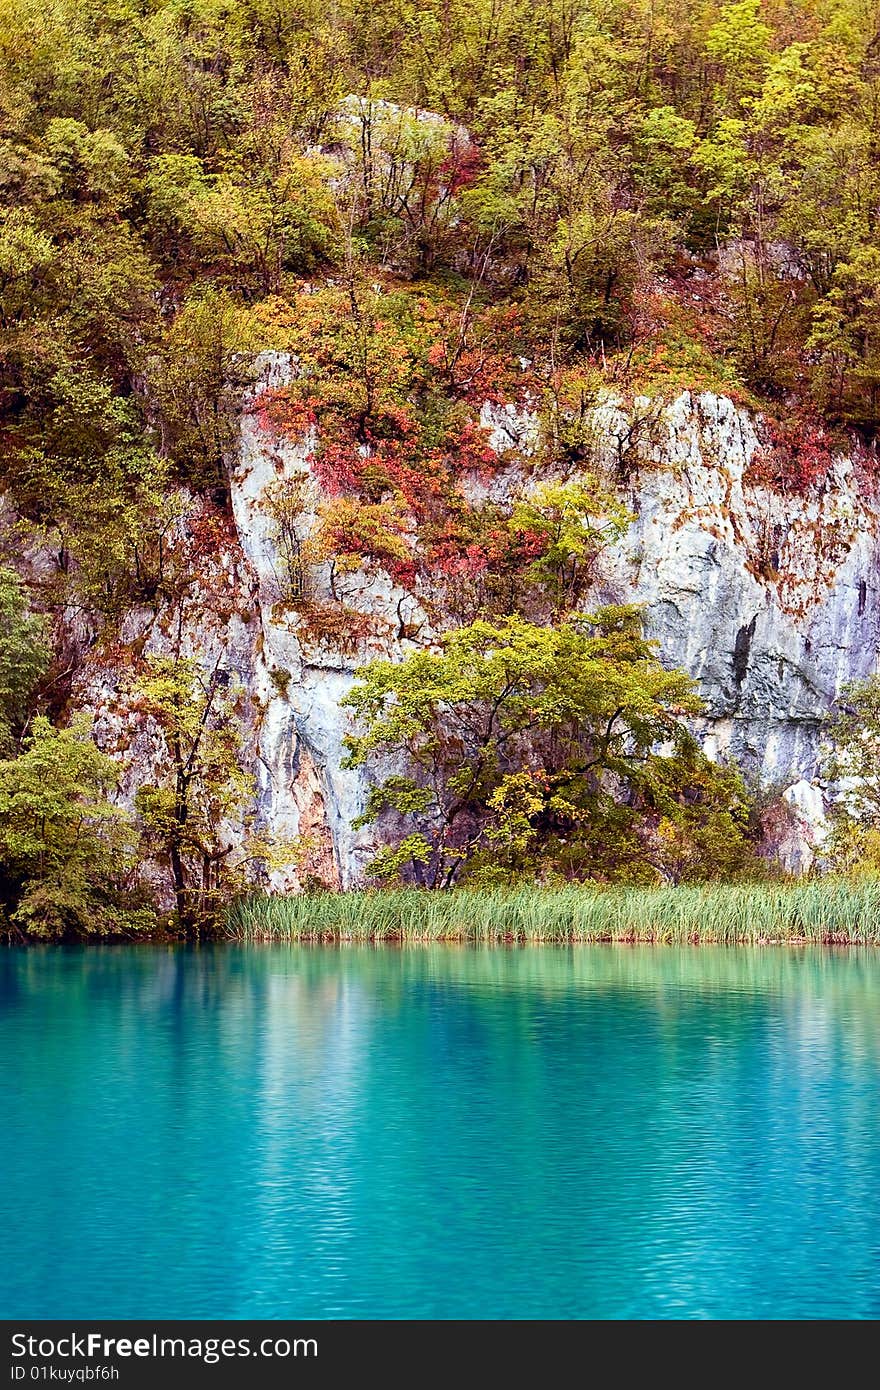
x=430 y=206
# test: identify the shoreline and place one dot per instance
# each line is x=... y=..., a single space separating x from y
x=524 y=943
x=830 y=912
x=400 y=942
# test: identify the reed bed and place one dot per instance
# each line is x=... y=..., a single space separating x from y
x=820 y=911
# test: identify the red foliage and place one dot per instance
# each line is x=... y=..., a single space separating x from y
x=391 y=400
x=210 y=531
x=531 y=544
x=448 y=557
x=337 y=467
x=452 y=553
x=278 y=412
x=460 y=167
x=796 y=456
x=478 y=359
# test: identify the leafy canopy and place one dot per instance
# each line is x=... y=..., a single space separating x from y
x=24 y=656
x=853 y=764
x=65 y=849
x=523 y=748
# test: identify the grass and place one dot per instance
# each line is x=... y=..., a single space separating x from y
x=821 y=911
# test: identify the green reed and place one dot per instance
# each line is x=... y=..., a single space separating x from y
x=829 y=911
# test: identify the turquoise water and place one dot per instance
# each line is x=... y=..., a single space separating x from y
x=598 y=1132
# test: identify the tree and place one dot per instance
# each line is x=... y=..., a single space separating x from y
x=248 y=221
x=287 y=503
x=430 y=208
x=203 y=785
x=197 y=379
x=66 y=852
x=569 y=524
x=410 y=168
x=853 y=764
x=739 y=43
x=350 y=535
x=519 y=748
x=24 y=657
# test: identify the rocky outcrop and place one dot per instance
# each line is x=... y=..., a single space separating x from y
x=769 y=601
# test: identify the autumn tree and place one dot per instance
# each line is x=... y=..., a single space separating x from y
x=569 y=525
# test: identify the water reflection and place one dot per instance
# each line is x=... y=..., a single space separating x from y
x=600 y=1131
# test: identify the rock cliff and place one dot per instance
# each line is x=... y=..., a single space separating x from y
x=769 y=601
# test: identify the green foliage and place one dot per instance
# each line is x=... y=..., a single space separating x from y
x=203 y=784
x=163 y=173
x=572 y=524
x=544 y=749
x=646 y=196
x=65 y=849
x=24 y=657
x=853 y=763
x=66 y=852
x=196 y=378
x=252 y=222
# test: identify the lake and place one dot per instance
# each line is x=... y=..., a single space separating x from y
x=596 y=1132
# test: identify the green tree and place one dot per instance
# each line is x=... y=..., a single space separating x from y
x=519 y=748
x=572 y=523
x=197 y=378
x=66 y=851
x=739 y=44
x=24 y=657
x=203 y=786
x=853 y=763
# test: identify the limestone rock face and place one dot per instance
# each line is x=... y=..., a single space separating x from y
x=769 y=602
x=301 y=667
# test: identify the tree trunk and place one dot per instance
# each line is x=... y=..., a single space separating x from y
x=183 y=914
